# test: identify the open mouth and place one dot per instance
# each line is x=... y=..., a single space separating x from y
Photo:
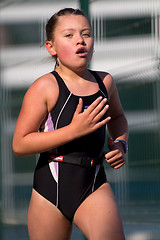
x=81 y=51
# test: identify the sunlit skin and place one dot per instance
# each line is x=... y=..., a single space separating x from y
x=72 y=43
x=98 y=216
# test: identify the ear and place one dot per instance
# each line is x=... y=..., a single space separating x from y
x=50 y=48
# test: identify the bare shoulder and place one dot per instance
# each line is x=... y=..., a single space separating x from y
x=46 y=82
x=44 y=89
x=107 y=80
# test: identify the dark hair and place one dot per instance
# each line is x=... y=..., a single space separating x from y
x=52 y=22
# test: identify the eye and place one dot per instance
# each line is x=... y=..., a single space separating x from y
x=69 y=35
x=86 y=34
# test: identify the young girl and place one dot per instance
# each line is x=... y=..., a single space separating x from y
x=63 y=117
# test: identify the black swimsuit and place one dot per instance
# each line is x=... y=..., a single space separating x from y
x=67 y=175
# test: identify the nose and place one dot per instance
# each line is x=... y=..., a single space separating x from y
x=80 y=40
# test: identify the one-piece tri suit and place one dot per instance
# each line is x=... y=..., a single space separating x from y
x=67 y=175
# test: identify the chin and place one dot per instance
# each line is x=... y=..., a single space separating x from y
x=80 y=68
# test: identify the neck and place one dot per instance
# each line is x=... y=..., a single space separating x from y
x=70 y=74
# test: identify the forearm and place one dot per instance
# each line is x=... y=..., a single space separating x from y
x=118 y=127
x=37 y=142
x=28 y=141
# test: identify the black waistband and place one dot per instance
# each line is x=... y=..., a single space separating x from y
x=83 y=161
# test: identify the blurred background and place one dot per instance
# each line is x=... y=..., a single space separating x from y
x=127 y=45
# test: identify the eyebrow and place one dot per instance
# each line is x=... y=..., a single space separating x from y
x=72 y=29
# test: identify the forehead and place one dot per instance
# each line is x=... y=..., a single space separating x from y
x=72 y=21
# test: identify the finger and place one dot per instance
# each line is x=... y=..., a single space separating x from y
x=112 y=154
x=110 y=143
x=92 y=107
x=101 y=123
x=119 y=166
x=79 y=107
x=117 y=162
x=100 y=108
x=100 y=114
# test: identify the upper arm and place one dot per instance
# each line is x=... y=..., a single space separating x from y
x=115 y=108
x=37 y=102
x=117 y=126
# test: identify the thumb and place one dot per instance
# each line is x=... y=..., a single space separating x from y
x=79 y=107
x=110 y=143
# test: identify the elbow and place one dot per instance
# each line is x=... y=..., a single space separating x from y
x=16 y=149
x=16 y=152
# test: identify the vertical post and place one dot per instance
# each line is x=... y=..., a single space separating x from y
x=84 y=5
x=1 y=110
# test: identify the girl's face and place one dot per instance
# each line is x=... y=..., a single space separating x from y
x=73 y=42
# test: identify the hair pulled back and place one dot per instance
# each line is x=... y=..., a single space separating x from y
x=52 y=22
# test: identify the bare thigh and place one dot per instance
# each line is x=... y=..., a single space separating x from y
x=45 y=221
x=98 y=216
